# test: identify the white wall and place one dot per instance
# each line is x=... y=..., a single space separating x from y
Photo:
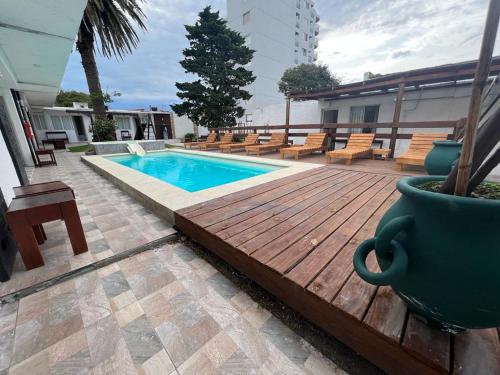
x=9 y=176
x=132 y=128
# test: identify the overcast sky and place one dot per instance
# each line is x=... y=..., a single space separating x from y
x=381 y=36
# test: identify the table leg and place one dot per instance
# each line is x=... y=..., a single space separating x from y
x=25 y=239
x=39 y=234
x=74 y=226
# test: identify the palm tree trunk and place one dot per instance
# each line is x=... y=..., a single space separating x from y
x=85 y=45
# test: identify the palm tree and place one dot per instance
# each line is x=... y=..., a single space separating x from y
x=112 y=21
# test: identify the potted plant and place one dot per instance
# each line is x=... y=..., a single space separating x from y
x=189 y=137
x=441 y=159
x=438 y=246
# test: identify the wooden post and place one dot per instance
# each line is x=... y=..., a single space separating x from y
x=480 y=80
x=287 y=118
x=395 y=118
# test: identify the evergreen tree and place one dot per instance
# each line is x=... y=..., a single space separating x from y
x=216 y=55
x=307 y=77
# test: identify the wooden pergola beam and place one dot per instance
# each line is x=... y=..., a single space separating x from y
x=396 y=116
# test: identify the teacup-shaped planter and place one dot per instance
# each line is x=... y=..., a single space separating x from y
x=441 y=255
x=439 y=161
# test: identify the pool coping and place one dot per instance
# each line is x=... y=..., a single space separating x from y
x=163 y=198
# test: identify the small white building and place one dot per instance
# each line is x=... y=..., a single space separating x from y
x=283 y=34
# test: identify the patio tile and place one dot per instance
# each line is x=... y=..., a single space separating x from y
x=238 y=363
x=129 y=313
x=103 y=337
x=94 y=306
x=141 y=340
x=115 y=284
x=159 y=363
x=122 y=300
x=222 y=285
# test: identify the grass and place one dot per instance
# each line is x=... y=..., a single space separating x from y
x=486 y=190
x=81 y=148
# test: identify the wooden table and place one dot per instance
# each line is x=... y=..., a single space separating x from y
x=383 y=153
x=26 y=212
x=37 y=189
x=50 y=153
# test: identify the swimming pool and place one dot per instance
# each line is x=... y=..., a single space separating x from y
x=192 y=172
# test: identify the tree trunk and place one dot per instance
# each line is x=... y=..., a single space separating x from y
x=85 y=45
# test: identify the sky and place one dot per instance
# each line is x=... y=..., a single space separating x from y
x=356 y=36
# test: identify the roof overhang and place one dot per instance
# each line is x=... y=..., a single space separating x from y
x=36 y=38
x=438 y=76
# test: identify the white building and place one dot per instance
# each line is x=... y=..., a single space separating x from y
x=283 y=34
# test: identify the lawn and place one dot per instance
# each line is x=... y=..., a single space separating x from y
x=81 y=148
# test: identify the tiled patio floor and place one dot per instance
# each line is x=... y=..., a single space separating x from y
x=164 y=311
x=112 y=221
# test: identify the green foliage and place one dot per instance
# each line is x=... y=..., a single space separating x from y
x=103 y=130
x=66 y=98
x=190 y=136
x=105 y=97
x=80 y=148
x=307 y=77
x=216 y=55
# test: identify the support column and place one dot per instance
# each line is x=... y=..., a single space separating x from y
x=395 y=118
x=287 y=119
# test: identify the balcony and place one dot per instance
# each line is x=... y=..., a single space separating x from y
x=316 y=43
x=315 y=56
x=316 y=29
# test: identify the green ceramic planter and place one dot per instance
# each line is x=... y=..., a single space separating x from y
x=441 y=158
x=441 y=254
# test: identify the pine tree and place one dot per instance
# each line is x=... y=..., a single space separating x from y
x=216 y=55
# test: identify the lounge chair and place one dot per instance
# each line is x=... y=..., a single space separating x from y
x=211 y=138
x=314 y=142
x=358 y=145
x=250 y=140
x=276 y=143
x=420 y=145
x=226 y=139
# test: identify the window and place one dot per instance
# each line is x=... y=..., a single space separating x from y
x=304 y=52
x=39 y=122
x=246 y=17
x=309 y=59
x=368 y=113
x=305 y=36
x=307 y=4
x=62 y=122
x=123 y=123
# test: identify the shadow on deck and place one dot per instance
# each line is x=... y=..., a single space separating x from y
x=296 y=237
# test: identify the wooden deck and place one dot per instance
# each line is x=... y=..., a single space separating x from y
x=296 y=237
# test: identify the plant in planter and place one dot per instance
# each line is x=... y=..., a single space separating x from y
x=438 y=246
x=189 y=137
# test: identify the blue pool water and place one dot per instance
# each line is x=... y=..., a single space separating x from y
x=192 y=172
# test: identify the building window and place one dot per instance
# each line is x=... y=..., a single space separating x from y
x=298 y=4
x=307 y=4
x=39 y=122
x=366 y=113
x=246 y=17
x=304 y=52
x=62 y=122
x=309 y=59
x=305 y=36
x=123 y=123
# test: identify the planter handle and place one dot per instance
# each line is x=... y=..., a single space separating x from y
x=386 y=248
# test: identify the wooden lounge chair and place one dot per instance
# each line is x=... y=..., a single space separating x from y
x=276 y=142
x=420 y=145
x=250 y=140
x=211 y=138
x=226 y=139
x=314 y=142
x=358 y=144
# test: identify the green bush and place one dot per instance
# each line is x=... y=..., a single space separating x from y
x=190 y=136
x=104 y=130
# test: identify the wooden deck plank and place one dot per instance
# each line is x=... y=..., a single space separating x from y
x=259 y=235
x=315 y=261
x=477 y=352
x=387 y=314
x=294 y=240
x=222 y=213
x=330 y=281
x=244 y=221
x=428 y=343
x=204 y=207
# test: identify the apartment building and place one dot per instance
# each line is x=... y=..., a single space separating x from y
x=284 y=33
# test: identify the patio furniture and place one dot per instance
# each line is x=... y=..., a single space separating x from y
x=49 y=153
x=212 y=137
x=26 y=212
x=37 y=189
x=420 y=145
x=358 y=144
x=125 y=135
x=276 y=143
x=57 y=139
x=314 y=142
x=381 y=153
x=226 y=139
x=251 y=139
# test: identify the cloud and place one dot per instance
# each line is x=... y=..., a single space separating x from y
x=356 y=36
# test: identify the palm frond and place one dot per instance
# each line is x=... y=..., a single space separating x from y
x=113 y=21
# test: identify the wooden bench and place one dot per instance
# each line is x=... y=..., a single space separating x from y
x=358 y=145
x=276 y=143
x=251 y=139
x=57 y=139
x=420 y=145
